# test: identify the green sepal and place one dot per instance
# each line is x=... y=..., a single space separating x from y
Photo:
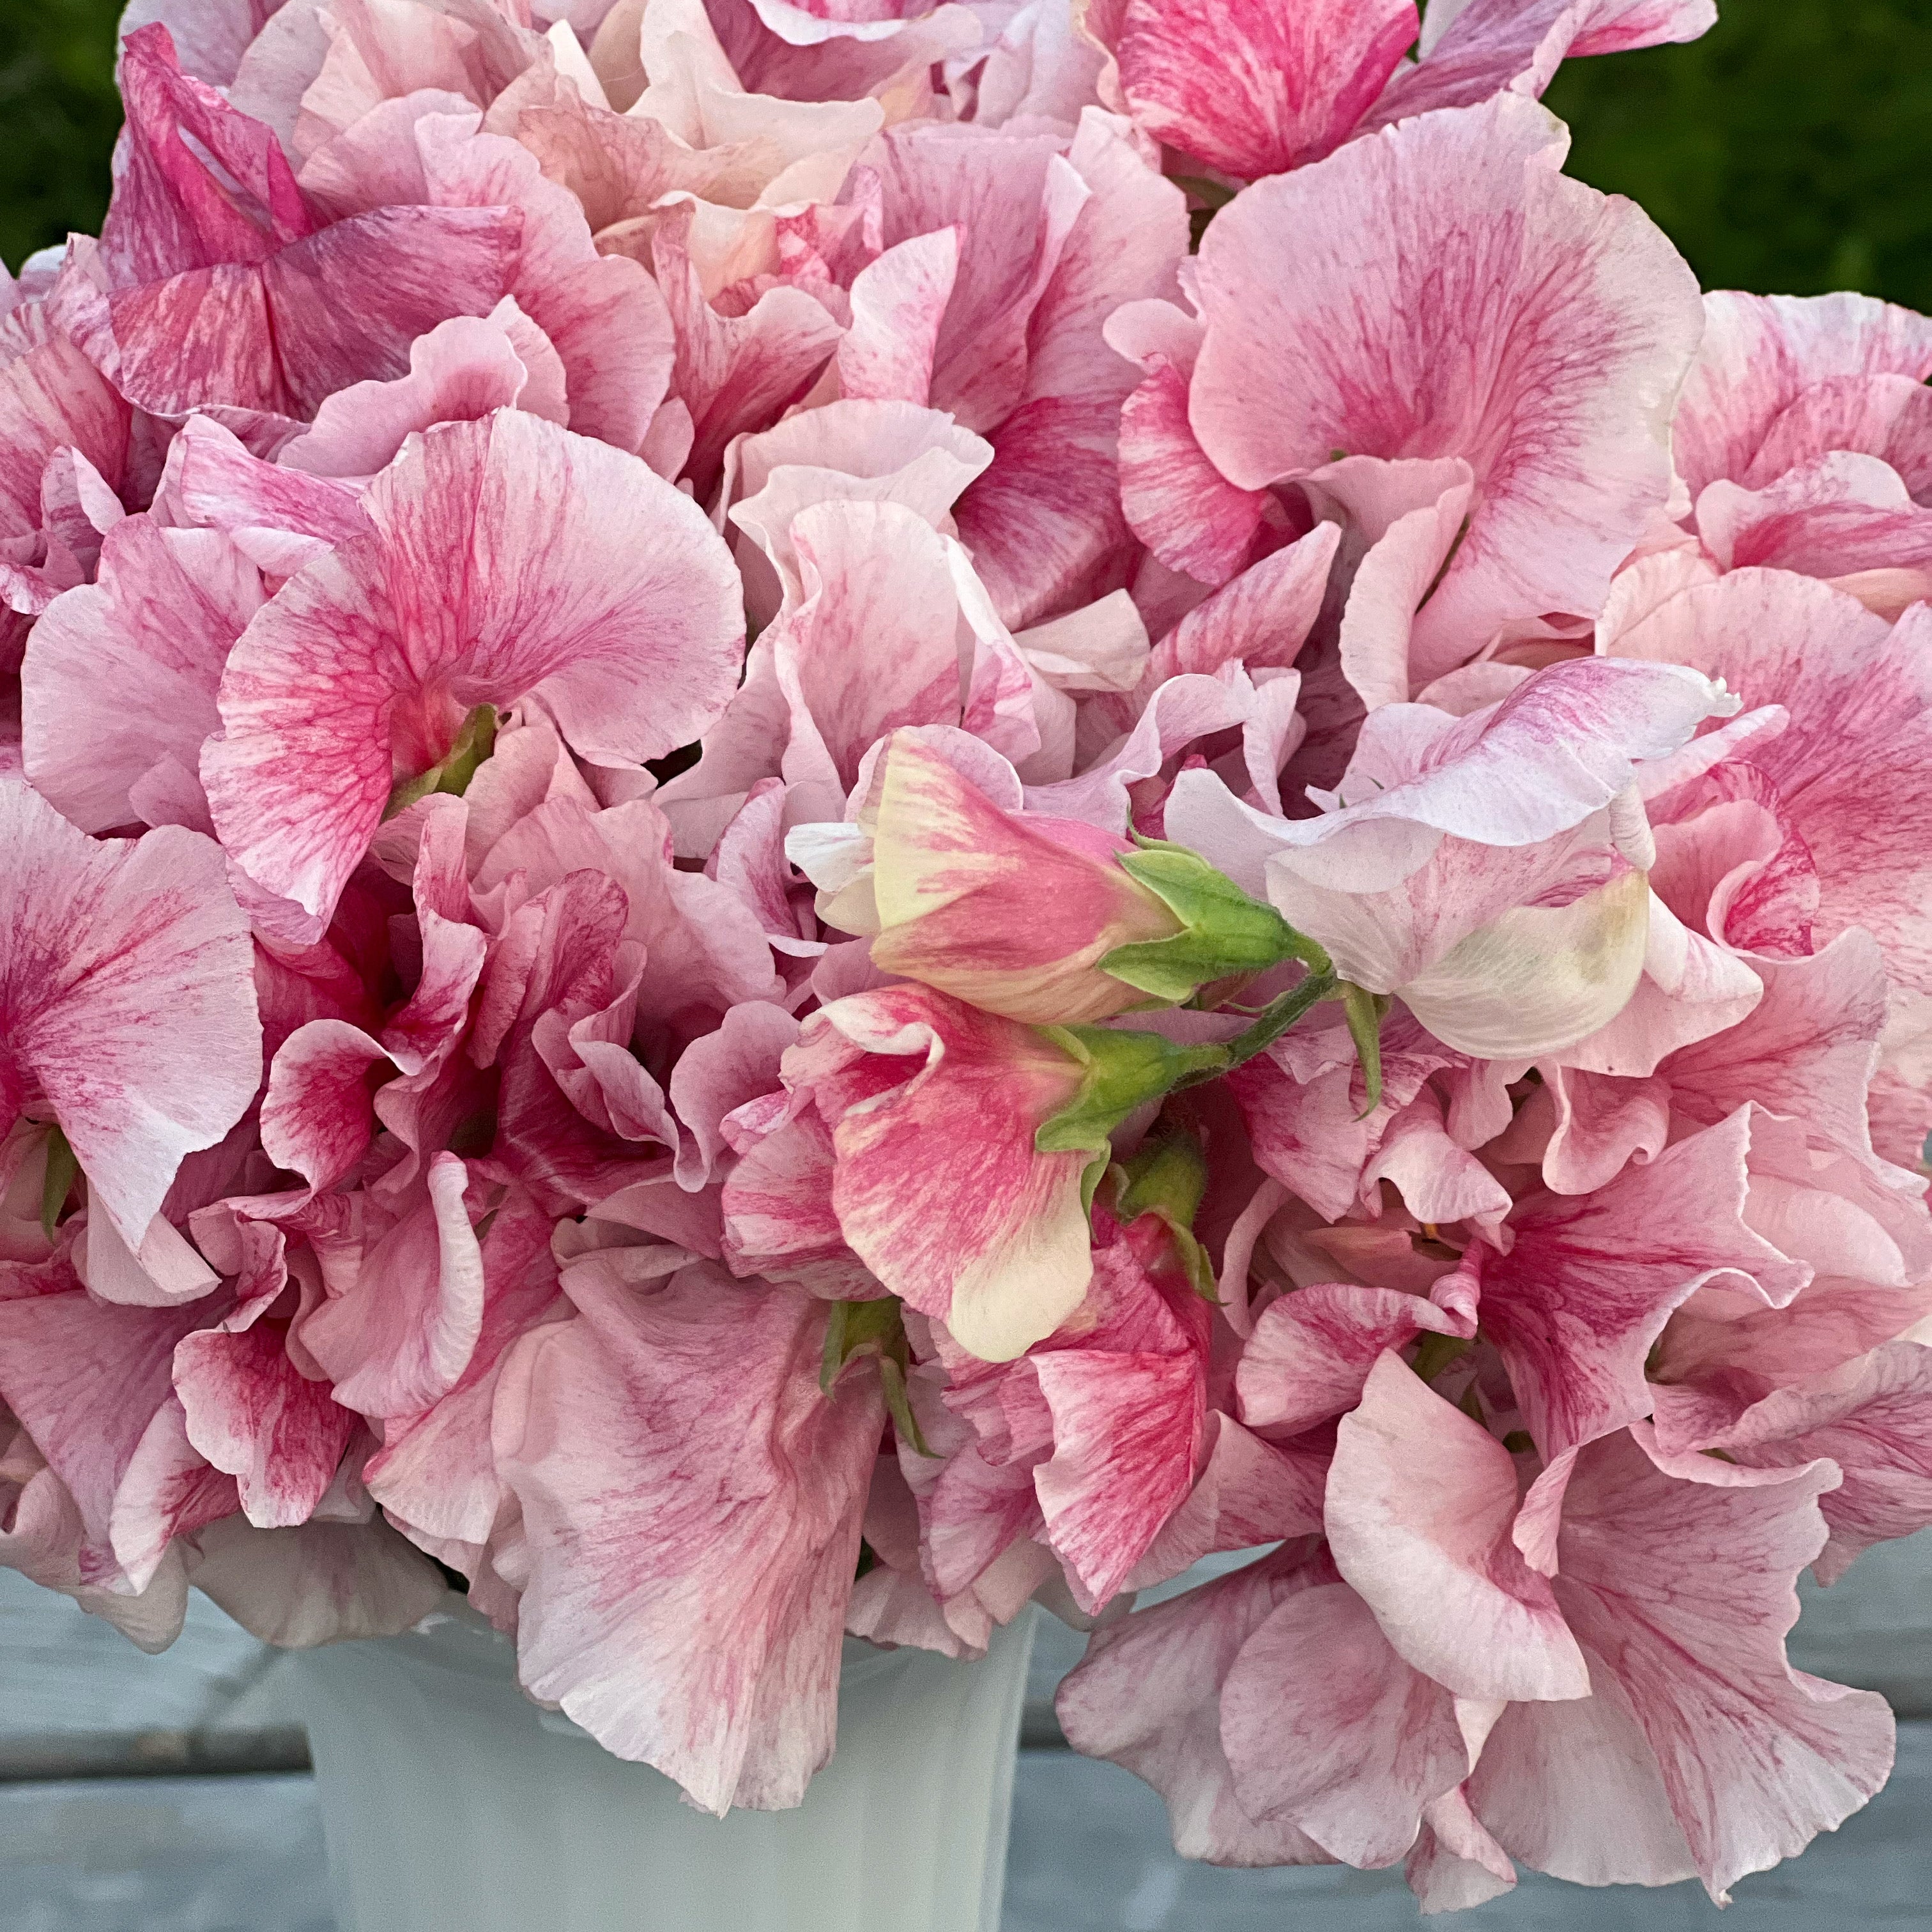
x=475 y=741
x=63 y=1171
x=1365 y=1012
x=1167 y=1177
x=1435 y=1352
x=1120 y=1069
x=1278 y=1015
x=855 y=1328
x=1227 y=934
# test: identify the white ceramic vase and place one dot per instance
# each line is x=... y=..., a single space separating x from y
x=451 y=1804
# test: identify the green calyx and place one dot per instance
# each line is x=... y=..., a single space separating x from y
x=63 y=1171
x=1365 y=1012
x=1120 y=1069
x=1225 y=935
x=875 y=1328
x=475 y=741
x=1167 y=1177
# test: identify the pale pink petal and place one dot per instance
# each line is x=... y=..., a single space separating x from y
x=279 y=519
x=1419 y=1503
x=1249 y=1493
x=320 y=1583
x=897 y=304
x=131 y=1001
x=1573 y=1789
x=1455 y=1863
x=1148 y=1697
x=462 y=369
x=744 y=1713
x=736 y=373
x=1756 y=1758
x=1315 y=286
x=1327 y=1729
x=120 y=675
x=1590 y=1281
x=1870 y=1419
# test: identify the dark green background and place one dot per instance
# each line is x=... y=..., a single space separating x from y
x=1790 y=149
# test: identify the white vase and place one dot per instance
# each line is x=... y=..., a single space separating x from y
x=452 y=1804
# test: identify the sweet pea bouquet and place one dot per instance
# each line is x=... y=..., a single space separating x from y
x=822 y=813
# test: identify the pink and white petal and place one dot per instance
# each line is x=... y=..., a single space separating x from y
x=1261 y=618
x=131 y=998
x=1312 y=1351
x=1147 y=1697
x=462 y=369
x=938 y=1187
x=402 y=1333
x=253 y=1413
x=776 y=1493
x=898 y=301
x=1420 y=1500
x=1175 y=498
x=1301 y=332
x=85 y=1380
x=1845 y=677
x=1350 y=1750
x=1887 y=416
x=1490 y=45
x=1760 y=354
x=1249 y=1493
x=1591 y=1280
x=1124 y=1431
x=1603 y=1123
x=1287 y=85
x=120 y=675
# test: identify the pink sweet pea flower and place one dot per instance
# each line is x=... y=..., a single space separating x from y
x=1012 y=912
x=931 y=1109
x=1288 y=83
x=487 y=577
x=127 y=1015
x=1440 y=290
x=735 y=1509
x=1489 y=869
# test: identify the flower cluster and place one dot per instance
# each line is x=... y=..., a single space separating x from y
x=1303 y=927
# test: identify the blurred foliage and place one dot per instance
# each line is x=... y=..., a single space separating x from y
x=1789 y=149
x=58 y=114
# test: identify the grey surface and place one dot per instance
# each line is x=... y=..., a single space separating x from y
x=179 y=1855
x=1089 y=1845
x=1090 y=1854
